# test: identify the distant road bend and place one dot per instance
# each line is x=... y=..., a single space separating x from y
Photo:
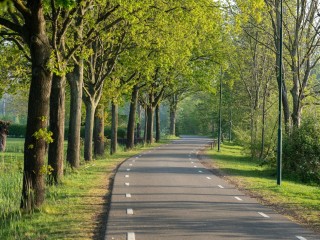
x=165 y=193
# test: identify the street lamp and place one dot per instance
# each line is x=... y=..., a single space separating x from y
x=279 y=151
x=220 y=105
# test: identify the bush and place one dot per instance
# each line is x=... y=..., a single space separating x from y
x=301 y=152
x=17 y=130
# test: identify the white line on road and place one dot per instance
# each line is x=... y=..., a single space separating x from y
x=131 y=236
x=126 y=176
x=127 y=184
x=220 y=186
x=263 y=215
x=128 y=195
x=301 y=238
x=239 y=199
x=208 y=177
x=200 y=171
x=129 y=211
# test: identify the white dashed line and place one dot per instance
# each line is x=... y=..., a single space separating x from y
x=127 y=184
x=128 y=195
x=263 y=215
x=301 y=238
x=220 y=186
x=129 y=211
x=131 y=236
x=126 y=176
x=200 y=171
x=239 y=199
x=208 y=177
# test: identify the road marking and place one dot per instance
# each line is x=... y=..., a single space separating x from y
x=301 y=238
x=208 y=177
x=130 y=164
x=126 y=176
x=131 y=236
x=220 y=186
x=200 y=171
x=194 y=166
x=127 y=184
x=263 y=215
x=239 y=199
x=128 y=195
x=129 y=211
x=128 y=169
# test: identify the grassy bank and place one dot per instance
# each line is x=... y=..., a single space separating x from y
x=76 y=209
x=298 y=201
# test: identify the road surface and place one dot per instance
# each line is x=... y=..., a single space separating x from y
x=165 y=193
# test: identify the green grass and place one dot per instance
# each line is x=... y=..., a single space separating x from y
x=76 y=209
x=298 y=201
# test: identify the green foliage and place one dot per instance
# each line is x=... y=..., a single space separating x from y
x=43 y=134
x=301 y=152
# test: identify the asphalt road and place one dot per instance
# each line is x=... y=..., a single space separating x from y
x=167 y=194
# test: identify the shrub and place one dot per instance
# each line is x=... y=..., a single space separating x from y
x=301 y=152
x=17 y=130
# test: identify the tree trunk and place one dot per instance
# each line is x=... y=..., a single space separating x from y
x=132 y=117
x=3 y=135
x=90 y=110
x=33 y=190
x=114 y=129
x=150 y=114
x=139 y=123
x=158 y=124
x=145 y=126
x=75 y=80
x=173 y=110
x=57 y=118
x=99 y=131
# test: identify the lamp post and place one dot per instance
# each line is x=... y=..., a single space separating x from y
x=279 y=150
x=220 y=105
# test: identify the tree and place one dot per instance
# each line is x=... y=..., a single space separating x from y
x=26 y=20
x=4 y=130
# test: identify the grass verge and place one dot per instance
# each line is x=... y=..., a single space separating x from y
x=76 y=209
x=298 y=201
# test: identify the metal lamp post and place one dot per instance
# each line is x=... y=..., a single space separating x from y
x=279 y=150
x=220 y=105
